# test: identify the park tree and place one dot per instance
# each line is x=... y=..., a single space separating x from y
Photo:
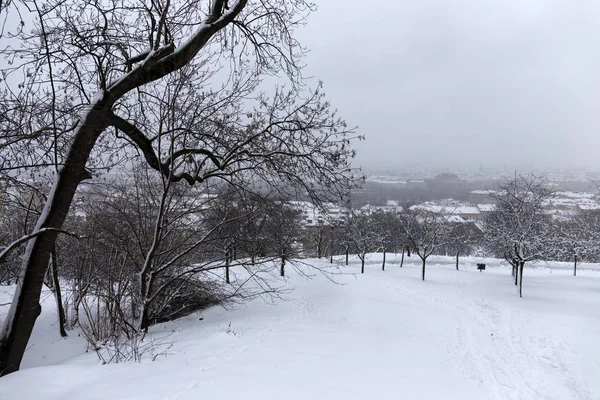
x=89 y=85
x=518 y=229
x=462 y=237
x=384 y=226
x=362 y=236
x=426 y=231
x=342 y=240
x=576 y=239
x=283 y=228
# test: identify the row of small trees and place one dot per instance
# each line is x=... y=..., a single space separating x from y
x=519 y=230
x=421 y=232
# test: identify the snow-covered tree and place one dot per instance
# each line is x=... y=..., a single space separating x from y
x=577 y=239
x=426 y=232
x=518 y=229
x=92 y=82
x=384 y=226
x=362 y=235
x=462 y=237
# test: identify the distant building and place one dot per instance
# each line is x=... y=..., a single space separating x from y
x=391 y=206
x=451 y=209
x=481 y=197
x=311 y=215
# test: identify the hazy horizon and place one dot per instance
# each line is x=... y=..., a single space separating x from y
x=463 y=83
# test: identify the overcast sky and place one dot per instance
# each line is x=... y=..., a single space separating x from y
x=459 y=82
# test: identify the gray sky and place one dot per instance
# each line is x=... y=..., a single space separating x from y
x=463 y=82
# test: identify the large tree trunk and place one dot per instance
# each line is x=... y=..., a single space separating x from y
x=423 y=270
x=25 y=307
x=457 y=254
x=383 y=265
x=347 y=251
x=282 y=270
x=521 y=265
x=362 y=264
x=57 y=294
x=402 y=259
x=575 y=266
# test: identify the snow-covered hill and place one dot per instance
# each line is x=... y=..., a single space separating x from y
x=382 y=335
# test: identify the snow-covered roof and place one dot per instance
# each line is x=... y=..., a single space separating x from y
x=454 y=208
x=575 y=195
x=486 y=207
x=482 y=191
x=456 y=219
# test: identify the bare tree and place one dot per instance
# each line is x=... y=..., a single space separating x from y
x=426 y=231
x=518 y=228
x=100 y=58
x=283 y=228
x=384 y=227
x=576 y=239
x=462 y=237
x=362 y=235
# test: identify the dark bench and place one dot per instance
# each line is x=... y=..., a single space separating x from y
x=481 y=267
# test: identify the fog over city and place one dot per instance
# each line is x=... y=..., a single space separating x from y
x=459 y=82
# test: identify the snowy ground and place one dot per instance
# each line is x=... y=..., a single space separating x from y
x=382 y=335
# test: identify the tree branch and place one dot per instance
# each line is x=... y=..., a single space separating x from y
x=8 y=249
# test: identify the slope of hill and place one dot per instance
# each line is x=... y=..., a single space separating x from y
x=385 y=334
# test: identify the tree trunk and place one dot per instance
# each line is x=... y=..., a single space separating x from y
x=402 y=259
x=57 y=294
x=347 y=251
x=320 y=243
x=383 y=265
x=362 y=264
x=575 y=266
x=282 y=270
x=331 y=247
x=521 y=265
x=25 y=307
x=77 y=299
x=457 y=253
x=423 y=270
x=516 y=268
x=227 y=266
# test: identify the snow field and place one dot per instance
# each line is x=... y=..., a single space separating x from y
x=385 y=334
